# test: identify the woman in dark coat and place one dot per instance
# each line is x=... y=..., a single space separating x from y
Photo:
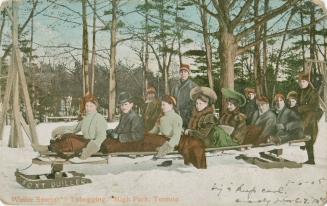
x=233 y=119
x=203 y=119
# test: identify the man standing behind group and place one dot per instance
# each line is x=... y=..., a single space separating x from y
x=152 y=109
x=182 y=93
x=308 y=105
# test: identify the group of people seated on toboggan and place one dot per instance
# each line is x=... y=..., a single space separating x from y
x=186 y=122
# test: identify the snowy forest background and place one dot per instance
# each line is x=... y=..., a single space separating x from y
x=70 y=47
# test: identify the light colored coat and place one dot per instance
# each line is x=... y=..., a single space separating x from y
x=93 y=127
x=171 y=127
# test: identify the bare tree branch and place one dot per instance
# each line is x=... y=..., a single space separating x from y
x=21 y=29
x=206 y=9
x=241 y=14
x=66 y=7
x=266 y=17
x=298 y=31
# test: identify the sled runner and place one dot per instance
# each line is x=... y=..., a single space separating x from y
x=269 y=160
x=99 y=158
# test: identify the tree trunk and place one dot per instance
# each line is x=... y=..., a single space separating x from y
x=227 y=53
x=325 y=48
x=112 y=71
x=85 y=54
x=302 y=39
x=257 y=56
x=1 y=32
x=146 y=55
x=265 y=54
x=279 y=57
x=312 y=39
x=207 y=44
x=179 y=36
x=164 y=47
x=93 y=48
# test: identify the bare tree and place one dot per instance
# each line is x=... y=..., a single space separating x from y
x=207 y=44
x=93 y=48
x=85 y=54
x=112 y=71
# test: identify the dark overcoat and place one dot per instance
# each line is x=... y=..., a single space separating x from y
x=249 y=109
x=266 y=122
x=308 y=107
x=130 y=127
x=152 y=111
x=184 y=103
x=292 y=126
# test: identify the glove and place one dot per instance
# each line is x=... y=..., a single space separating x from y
x=274 y=139
x=109 y=132
x=163 y=150
x=89 y=150
x=187 y=131
x=112 y=134
x=280 y=126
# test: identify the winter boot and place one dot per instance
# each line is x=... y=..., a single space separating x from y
x=40 y=148
x=311 y=159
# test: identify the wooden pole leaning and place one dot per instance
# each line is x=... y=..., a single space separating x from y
x=26 y=98
x=5 y=105
x=17 y=71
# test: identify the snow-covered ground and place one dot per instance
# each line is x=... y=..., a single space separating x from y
x=126 y=181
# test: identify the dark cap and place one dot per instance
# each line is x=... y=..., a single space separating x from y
x=124 y=97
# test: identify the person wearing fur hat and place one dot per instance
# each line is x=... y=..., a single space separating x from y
x=130 y=127
x=152 y=109
x=264 y=119
x=308 y=106
x=288 y=124
x=182 y=93
x=232 y=123
x=93 y=127
x=292 y=99
x=203 y=119
x=169 y=125
x=250 y=106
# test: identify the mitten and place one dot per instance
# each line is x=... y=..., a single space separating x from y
x=164 y=149
x=89 y=150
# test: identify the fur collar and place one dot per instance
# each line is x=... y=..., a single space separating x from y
x=197 y=115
